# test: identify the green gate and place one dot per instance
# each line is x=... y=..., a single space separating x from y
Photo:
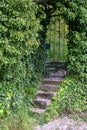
x=55 y=48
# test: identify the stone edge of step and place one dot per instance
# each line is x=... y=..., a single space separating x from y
x=37 y=110
x=40 y=99
x=49 y=87
x=49 y=93
x=56 y=79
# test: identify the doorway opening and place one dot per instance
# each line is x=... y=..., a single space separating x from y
x=55 y=47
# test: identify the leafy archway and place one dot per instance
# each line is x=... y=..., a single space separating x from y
x=74 y=13
x=72 y=95
x=56 y=40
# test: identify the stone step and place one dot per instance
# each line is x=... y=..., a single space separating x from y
x=49 y=87
x=47 y=95
x=59 y=73
x=56 y=64
x=52 y=80
x=38 y=110
x=50 y=69
x=41 y=102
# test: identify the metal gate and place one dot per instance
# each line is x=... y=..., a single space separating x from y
x=55 y=47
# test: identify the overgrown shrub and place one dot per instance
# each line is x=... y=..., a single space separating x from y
x=75 y=14
x=73 y=94
x=72 y=97
x=18 y=49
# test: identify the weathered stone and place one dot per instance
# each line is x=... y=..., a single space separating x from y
x=49 y=87
x=41 y=102
x=38 y=110
x=47 y=95
x=59 y=73
x=52 y=80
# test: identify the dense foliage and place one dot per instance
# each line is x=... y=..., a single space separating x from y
x=75 y=87
x=18 y=49
x=72 y=96
x=74 y=13
x=21 y=53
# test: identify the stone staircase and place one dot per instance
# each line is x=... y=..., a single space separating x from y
x=49 y=88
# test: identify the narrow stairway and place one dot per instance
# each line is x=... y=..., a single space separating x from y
x=49 y=88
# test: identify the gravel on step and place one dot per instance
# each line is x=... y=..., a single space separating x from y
x=63 y=123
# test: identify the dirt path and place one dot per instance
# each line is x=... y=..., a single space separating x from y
x=63 y=123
